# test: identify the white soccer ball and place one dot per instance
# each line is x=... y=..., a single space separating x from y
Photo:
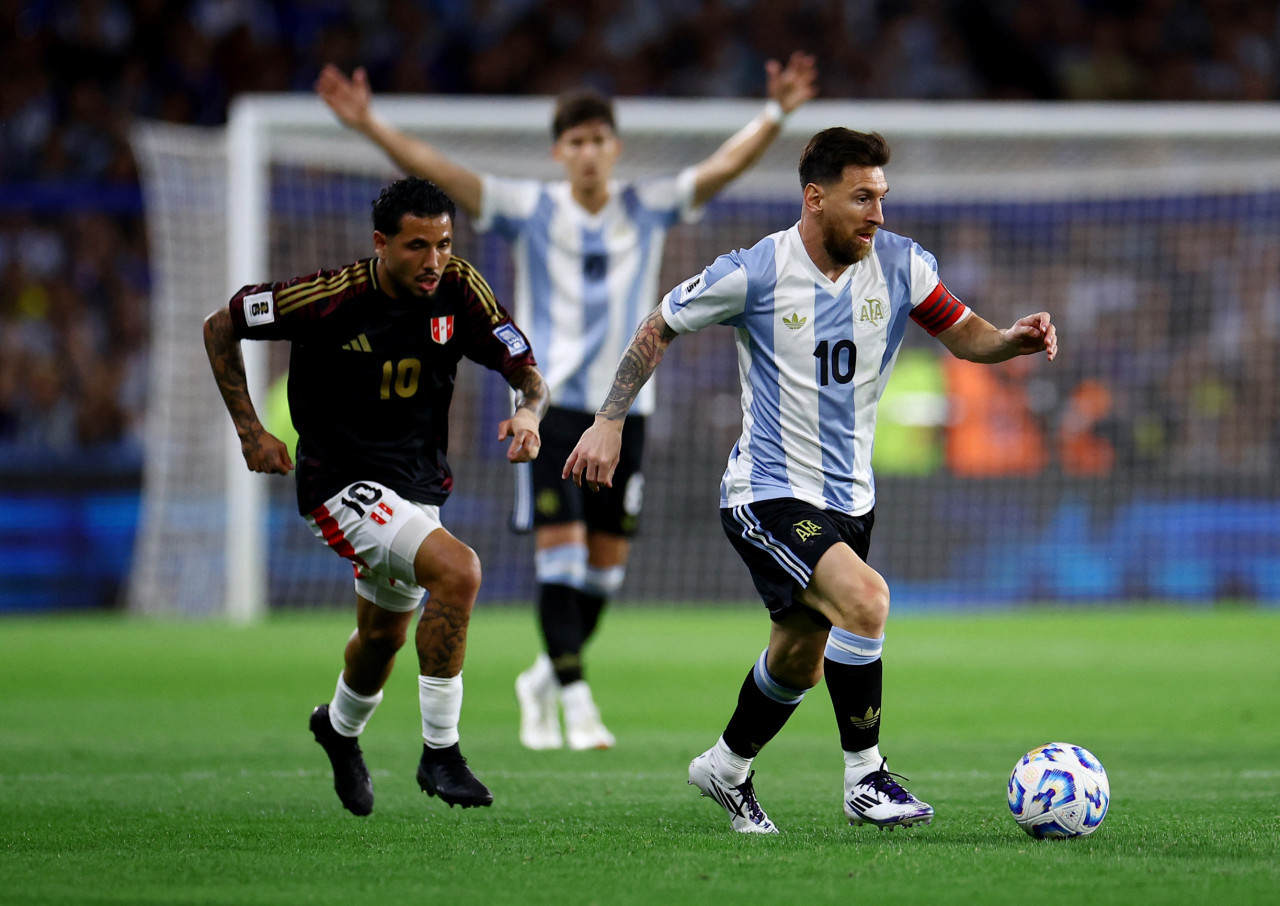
x=1059 y=790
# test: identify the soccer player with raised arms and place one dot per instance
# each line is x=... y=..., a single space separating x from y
x=818 y=311
x=374 y=351
x=587 y=252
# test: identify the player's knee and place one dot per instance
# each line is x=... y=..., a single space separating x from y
x=461 y=581
x=875 y=602
x=449 y=572
x=865 y=604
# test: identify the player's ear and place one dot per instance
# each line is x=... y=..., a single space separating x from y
x=379 y=242
x=813 y=198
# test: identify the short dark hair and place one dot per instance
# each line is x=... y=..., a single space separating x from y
x=831 y=150
x=585 y=105
x=411 y=195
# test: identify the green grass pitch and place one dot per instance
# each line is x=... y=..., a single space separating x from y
x=169 y=762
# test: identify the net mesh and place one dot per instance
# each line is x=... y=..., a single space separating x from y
x=1138 y=466
x=180 y=553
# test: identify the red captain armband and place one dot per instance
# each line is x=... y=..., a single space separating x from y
x=938 y=311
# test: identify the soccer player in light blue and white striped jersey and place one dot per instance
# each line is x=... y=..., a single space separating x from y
x=587 y=252
x=818 y=313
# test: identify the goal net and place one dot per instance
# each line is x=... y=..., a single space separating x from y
x=1139 y=466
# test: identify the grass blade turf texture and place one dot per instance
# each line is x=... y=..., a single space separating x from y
x=171 y=763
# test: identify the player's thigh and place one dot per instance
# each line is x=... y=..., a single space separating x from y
x=848 y=592
x=447 y=567
x=605 y=549
x=380 y=533
x=781 y=542
x=560 y=534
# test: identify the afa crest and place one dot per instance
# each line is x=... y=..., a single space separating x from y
x=806 y=530
x=871 y=312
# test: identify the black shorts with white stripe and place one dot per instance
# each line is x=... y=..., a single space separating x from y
x=544 y=498
x=782 y=540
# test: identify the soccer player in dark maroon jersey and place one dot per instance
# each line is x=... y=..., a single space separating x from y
x=375 y=347
x=586 y=251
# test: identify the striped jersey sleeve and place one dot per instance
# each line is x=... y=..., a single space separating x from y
x=671 y=197
x=506 y=205
x=281 y=311
x=718 y=295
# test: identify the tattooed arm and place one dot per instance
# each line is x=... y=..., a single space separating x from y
x=522 y=427
x=595 y=457
x=262 y=451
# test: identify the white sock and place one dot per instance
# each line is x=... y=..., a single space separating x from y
x=577 y=701
x=441 y=701
x=542 y=672
x=728 y=764
x=350 y=711
x=859 y=764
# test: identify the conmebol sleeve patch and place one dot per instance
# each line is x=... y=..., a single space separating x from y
x=513 y=339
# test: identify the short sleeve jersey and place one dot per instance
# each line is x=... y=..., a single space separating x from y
x=813 y=359
x=584 y=281
x=371 y=377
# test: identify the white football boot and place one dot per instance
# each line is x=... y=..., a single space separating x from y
x=582 y=722
x=536 y=690
x=875 y=797
x=745 y=813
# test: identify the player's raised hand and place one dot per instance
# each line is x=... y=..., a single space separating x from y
x=522 y=428
x=793 y=85
x=594 y=459
x=1034 y=333
x=264 y=452
x=348 y=98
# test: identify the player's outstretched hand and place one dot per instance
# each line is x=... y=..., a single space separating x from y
x=522 y=428
x=795 y=84
x=1034 y=333
x=264 y=452
x=595 y=458
x=348 y=98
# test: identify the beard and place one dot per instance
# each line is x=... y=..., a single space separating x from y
x=844 y=248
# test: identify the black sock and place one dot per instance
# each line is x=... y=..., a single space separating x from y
x=855 y=691
x=756 y=720
x=589 y=607
x=560 y=616
x=446 y=754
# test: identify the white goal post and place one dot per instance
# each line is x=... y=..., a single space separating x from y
x=225 y=207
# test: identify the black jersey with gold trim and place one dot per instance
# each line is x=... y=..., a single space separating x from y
x=371 y=377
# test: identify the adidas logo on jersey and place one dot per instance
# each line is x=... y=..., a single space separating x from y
x=795 y=322
x=359 y=344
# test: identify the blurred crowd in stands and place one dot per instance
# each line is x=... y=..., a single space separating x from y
x=75 y=73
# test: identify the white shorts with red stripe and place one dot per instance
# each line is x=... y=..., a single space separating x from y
x=380 y=533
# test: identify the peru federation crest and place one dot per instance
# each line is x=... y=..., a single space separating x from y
x=442 y=328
